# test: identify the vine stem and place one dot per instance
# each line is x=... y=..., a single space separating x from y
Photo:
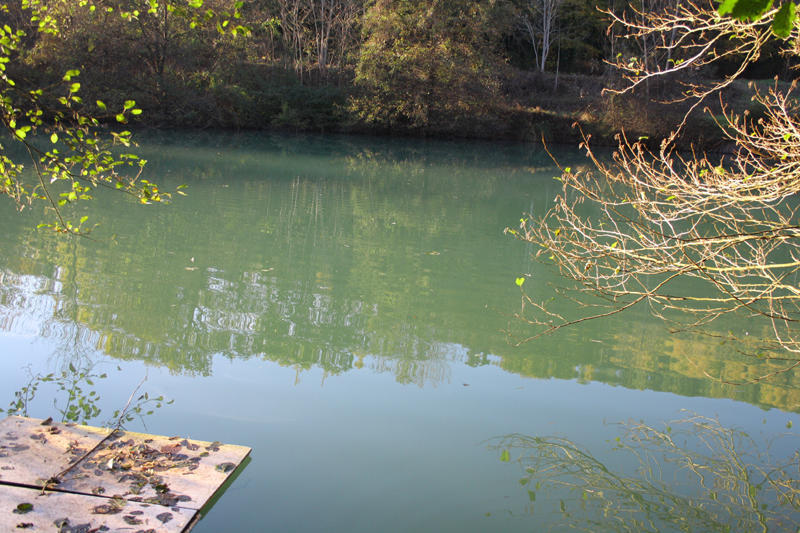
x=56 y=479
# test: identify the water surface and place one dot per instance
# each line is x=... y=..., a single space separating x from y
x=343 y=306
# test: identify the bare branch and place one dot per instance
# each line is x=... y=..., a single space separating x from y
x=632 y=229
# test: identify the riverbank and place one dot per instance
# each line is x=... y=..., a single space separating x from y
x=509 y=105
x=422 y=69
x=524 y=106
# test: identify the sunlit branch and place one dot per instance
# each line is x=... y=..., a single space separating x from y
x=619 y=232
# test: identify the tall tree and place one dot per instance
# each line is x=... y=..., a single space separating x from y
x=318 y=33
x=538 y=22
x=426 y=62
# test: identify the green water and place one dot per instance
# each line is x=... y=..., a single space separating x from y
x=341 y=305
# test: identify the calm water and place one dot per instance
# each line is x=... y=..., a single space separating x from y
x=341 y=306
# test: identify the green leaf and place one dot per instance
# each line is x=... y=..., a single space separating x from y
x=520 y=281
x=784 y=20
x=75 y=87
x=744 y=9
x=129 y=104
x=136 y=111
x=70 y=73
x=225 y=467
x=241 y=30
x=101 y=104
x=196 y=3
x=120 y=118
x=54 y=138
x=23 y=508
x=505 y=456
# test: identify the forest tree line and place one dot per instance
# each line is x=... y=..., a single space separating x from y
x=519 y=69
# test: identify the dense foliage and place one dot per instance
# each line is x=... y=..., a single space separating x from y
x=456 y=67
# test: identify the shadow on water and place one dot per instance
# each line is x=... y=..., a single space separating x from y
x=691 y=474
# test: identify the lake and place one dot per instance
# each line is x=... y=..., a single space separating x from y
x=344 y=306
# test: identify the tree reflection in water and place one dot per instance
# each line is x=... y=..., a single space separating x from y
x=692 y=475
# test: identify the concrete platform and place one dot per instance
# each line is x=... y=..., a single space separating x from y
x=93 y=479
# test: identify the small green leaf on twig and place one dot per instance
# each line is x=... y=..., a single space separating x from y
x=784 y=20
x=744 y=9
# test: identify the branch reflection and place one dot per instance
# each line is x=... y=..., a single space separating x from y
x=694 y=474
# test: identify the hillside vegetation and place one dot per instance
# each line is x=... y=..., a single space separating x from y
x=516 y=69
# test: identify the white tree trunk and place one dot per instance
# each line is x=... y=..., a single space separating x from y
x=538 y=24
